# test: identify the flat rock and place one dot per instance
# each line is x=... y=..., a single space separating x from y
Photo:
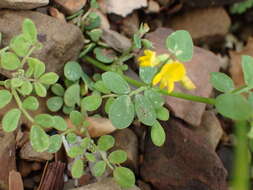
x=185 y=162
x=210 y=24
x=105 y=184
x=235 y=63
x=62 y=42
x=208 y=3
x=22 y=4
x=27 y=153
x=70 y=6
x=120 y=7
x=198 y=69
x=7 y=157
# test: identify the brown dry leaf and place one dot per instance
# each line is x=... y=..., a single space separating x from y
x=15 y=181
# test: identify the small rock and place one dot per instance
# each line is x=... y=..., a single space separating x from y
x=130 y=24
x=56 y=14
x=105 y=24
x=120 y=7
x=62 y=42
x=127 y=140
x=7 y=157
x=236 y=68
x=36 y=166
x=210 y=128
x=22 y=4
x=198 y=69
x=208 y=3
x=27 y=153
x=153 y=7
x=143 y=186
x=70 y=6
x=25 y=168
x=185 y=161
x=210 y=24
x=105 y=184
x=226 y=154
x=116 y=40
x=29 y=183
x=15 y=181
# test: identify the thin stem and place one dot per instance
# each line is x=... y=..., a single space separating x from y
x=28 y=55
x=19 y=103
x=140 y=84
x=109 y=95
x=138 y=90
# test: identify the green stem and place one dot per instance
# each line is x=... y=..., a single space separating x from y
x=140 y=84
x=110 y=95
x=241 y=174
x=28 y=55
x=19 y=103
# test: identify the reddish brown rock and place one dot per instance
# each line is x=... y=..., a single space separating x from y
x=198 y=69
x=56 y=14
x=15 y=181
x=130 y=24
x=70 y=6
x=210 y=24
x=186 y=161
x=7 y=157
x=208 y=3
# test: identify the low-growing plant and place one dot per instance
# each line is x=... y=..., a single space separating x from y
x=79 y=96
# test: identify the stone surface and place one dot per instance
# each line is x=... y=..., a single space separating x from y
x=211 y=129
x=210 y=24
x=116 y=40
x=127 y=140
x=22 y=4
x=61 y=42
x=198 y=69
x=7 y=157
x=208 y=3
x=120 y=7
x=15 y=181
x=185 y=162
x=56 y=14
x=130 y=24
x=27 y=153
x=105 y=184
x=70 y=6
x=235 y=63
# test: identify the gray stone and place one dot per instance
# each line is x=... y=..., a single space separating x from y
x=22 y=4
x=62 y=42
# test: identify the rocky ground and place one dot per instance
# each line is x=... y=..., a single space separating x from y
x=198 y=152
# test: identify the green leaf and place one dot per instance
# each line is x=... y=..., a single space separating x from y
x=59 y=123
x=99 y=168
x=108 y=104
x=40 y=89
x=54 y=104
x=102 y=56
x=144 y=110
x=9 y=61
x=20 y=45
x=247 y=67
x=44 y=120
x=85 y=143
x=90 y=157
x=163 y=114
x=95 y=34
x=29 y=31
x=49 y=78
x=5 y=97
x=67 y=110
x=58 y=90
x=76 y=118
x=137 y=41
x=77 y=169
x=36 y=66
x=158 y=135
x=106 y=142
x=16 y=82
x=147 y=44
x=31 y=103
x=122 y=112
x=92 y=21
x=117 y=157
x=94 y=4
x=26 y=88
x=73 y=71
x=71 y=138
x=10 y=120
x=154 y=97
x=72 y=95
x=75 y=151
x=100 y=86
x=115 y=83
x=124 y=177
x=180 y=44
x=91 y=103
x=241 y=7
x=222 y=82
x=39 y=139
x=147 y=74
x=233 y=106
x=55 y=143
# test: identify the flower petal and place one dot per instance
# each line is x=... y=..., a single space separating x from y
x=171 y=86
x=157 y=79
x=187 y=83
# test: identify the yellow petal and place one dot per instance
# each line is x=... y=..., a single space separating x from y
x=176 y=71
x=163 y=83
x=187 y=83
x=171 y=86
x=157 y=79
x=145 y=64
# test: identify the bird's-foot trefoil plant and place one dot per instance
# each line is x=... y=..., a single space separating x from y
x=110 y=93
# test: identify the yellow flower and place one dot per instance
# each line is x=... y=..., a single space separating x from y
x=148 y=59
x=171 y=72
